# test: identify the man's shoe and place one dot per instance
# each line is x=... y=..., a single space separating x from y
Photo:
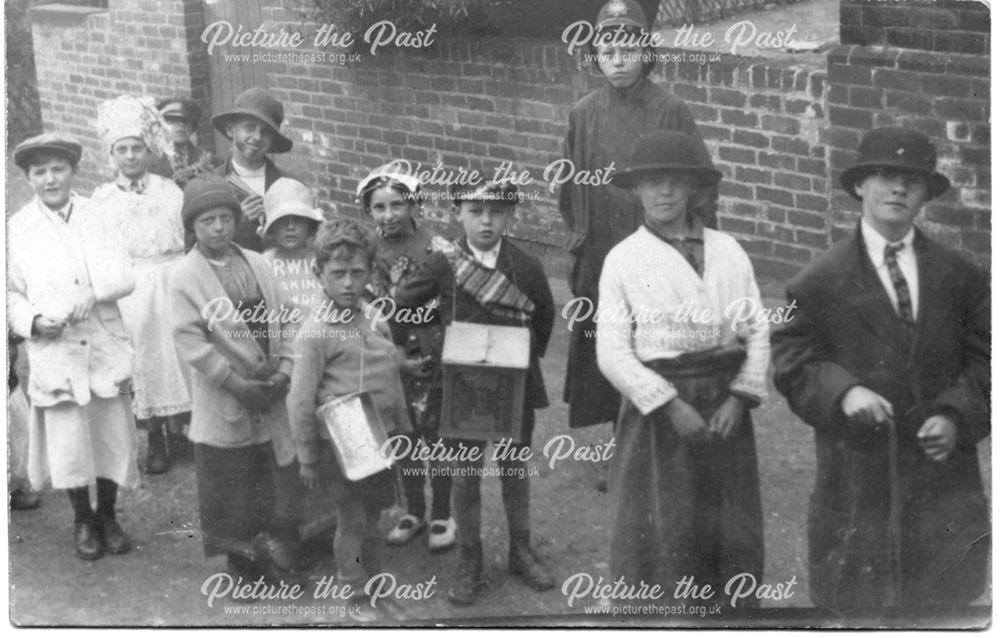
x=465 y=590
x=87 y=541
x=405 y=530
x=442 y=535
x=21 y=499
x=360 y=610
x=116 y=541
x=522 y=561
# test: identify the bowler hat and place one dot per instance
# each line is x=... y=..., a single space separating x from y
x=59 y=143
x=205 y=193
x=667 y=151
x=487 y=191
x=179 y=108
x=288 y=197
x=260 y=104
x=899 y=149
x=624 y=13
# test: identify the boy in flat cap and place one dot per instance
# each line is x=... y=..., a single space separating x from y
x=254 y=129
x=188 y=161
x=66 y=271
x=483 y=278
x=604 y=128
x=887 y=357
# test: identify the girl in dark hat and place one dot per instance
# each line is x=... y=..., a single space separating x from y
x=604 y=127
x=241 y=371
x=675 y=339
x=253 y=128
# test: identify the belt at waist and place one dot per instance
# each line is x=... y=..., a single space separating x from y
x=724 y=360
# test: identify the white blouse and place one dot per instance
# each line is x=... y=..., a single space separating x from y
x=653 y=305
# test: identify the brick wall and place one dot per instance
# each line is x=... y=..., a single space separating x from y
x=84 y=56
x=781 y=132
x=934 y=77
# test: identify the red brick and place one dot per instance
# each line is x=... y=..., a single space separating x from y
x=737 y=154
x=853 y=118
x=738 y=118
x=749 y=138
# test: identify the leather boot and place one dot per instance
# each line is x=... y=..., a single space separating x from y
x=157 y=461
x=467 y=578
x=522 y=561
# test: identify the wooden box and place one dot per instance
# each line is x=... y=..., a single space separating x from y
x=485 y=370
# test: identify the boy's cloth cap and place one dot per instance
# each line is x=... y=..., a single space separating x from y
x=61 y=143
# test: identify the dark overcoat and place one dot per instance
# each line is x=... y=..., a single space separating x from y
x=844 y=332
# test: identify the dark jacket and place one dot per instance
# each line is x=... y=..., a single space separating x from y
x=246 y=230
x=844 y=332
x=435 y=278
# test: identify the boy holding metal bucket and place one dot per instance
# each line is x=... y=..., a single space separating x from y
x=340 y=352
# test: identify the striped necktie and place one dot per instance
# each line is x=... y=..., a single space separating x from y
x=899 y=282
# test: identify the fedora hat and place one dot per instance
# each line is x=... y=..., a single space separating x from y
x=899 y=149
x=260 y=104
x=59 y=143
x=288 y=197
x=667 y=151
x=179 y=108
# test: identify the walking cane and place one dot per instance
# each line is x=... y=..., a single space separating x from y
x=895 y=515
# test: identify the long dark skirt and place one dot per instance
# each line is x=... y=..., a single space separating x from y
x=235 y=495
x=684 y=511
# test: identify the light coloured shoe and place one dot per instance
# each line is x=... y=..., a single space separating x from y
x=404 y=531
x=442 y=535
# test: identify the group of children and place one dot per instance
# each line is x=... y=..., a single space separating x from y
x=255 y=375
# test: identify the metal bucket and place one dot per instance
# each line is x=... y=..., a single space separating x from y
x=357 y=433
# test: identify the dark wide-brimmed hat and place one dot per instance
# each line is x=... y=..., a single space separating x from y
x=59 y=143
x=258 y=103
x=621 y=13
x=487 y=191
x=898 y=149
x=667 y=151
x=204 y=193
x=179 y=108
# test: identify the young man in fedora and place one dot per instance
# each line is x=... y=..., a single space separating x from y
x=604 y=127
x=182 y=117
x=66 y=271
x=684 y=484
x=887 y=356
x=253 y=128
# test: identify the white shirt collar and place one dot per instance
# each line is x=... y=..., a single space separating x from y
x=56 y=216
x=487 y=258
x=875 y=243
x=243 y=171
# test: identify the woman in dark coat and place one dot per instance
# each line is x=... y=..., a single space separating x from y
x=604 y=127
